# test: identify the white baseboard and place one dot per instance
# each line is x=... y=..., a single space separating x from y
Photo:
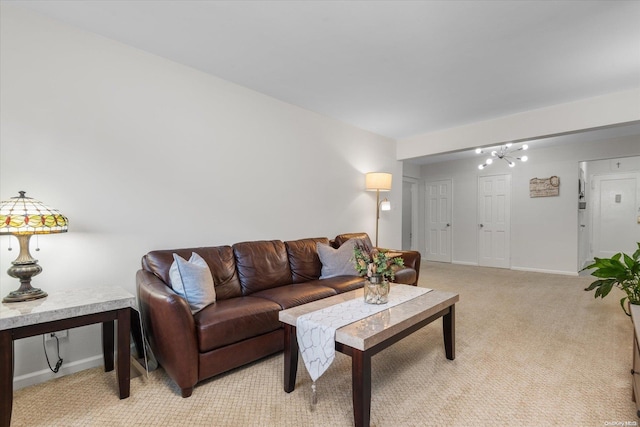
x=533 y=270
x=38 y=377
x=475 y=264
x=541 y=270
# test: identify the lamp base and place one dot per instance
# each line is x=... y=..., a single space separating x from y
x=25 y=294
x=24 y=268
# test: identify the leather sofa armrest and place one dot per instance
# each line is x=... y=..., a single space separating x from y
x=170 y=329
x=411 y=259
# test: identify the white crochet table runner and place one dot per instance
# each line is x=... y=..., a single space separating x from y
x=316 y=331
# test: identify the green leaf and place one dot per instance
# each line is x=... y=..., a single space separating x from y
x=628 y=261
x=623 y=307
x=604 y=289
x=594 y=285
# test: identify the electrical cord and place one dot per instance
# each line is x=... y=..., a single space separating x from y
x=59 y=362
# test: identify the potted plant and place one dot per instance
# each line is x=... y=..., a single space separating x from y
x=621 y=271
x=378 y=267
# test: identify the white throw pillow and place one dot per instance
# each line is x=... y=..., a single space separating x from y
x=337 y=262
x=193 y=280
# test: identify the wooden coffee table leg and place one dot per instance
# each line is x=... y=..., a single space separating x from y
x=361 y=387
x=290 y=357
x=449 y=332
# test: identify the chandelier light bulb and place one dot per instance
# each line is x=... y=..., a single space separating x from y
x=494 y=153
x=525 y=146
x=508 y=144
x=480 y=167
x=478 y=150
x=524 y=158
x=511 y=164
x=489 y=161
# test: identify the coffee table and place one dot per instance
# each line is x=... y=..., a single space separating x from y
x=363 y=339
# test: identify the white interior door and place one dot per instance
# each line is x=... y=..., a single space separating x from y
x=438 y=221
x=616 y=214
x=494 y=221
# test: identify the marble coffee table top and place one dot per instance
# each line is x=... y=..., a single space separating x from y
x=368 y=332
x=63 y=304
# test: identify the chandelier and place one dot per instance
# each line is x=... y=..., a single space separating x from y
x=505 y=153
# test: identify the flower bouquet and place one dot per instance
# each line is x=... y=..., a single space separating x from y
x=378 y=267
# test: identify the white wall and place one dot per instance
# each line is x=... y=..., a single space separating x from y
x=142 y=153
x=544 y=231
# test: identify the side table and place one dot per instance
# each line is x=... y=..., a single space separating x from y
x=66 y=309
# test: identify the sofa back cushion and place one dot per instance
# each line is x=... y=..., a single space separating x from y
x=220 y=260
x=341 y=238
x=262 y=265
x=303 y=258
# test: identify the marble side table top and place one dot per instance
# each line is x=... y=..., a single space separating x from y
x=63 y=304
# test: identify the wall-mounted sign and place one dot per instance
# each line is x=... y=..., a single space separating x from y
x=544 y=187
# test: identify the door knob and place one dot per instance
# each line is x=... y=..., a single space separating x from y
x=448 y=225
x=481 y=225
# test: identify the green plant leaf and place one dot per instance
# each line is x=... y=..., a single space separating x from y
x=622 y=271
x=628 y=261
x=594 y=285
x=623 y=307
x=604 y=288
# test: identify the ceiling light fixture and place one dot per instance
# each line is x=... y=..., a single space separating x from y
x=505 y=153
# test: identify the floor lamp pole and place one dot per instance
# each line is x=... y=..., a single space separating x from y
x=377 y=213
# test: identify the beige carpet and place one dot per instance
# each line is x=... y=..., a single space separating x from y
x=531 y=350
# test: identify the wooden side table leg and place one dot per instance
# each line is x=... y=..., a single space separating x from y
x=6 y=377
x=107 y=345
x=361 y=387
x=290 y=357
x=123 y=372
x=449 y=332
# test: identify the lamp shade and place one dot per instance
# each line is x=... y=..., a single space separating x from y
x=378 y=181
x=23 y=215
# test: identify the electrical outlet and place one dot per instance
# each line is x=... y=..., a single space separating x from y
x=59 y=334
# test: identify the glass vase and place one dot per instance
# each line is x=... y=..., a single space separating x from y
x=376 y=290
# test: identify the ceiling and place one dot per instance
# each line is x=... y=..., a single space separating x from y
x=395 y=68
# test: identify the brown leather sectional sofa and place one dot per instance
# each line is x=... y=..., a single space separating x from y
x=253 y=282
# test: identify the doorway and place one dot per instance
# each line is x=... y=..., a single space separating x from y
x=409 y=213
x=608 y=208
x=616 y=214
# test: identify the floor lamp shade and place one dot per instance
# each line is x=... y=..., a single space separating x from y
x=380 y=181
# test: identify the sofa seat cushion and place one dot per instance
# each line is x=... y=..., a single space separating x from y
x=233 y=320
x=292 y=295
x=342 y=283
